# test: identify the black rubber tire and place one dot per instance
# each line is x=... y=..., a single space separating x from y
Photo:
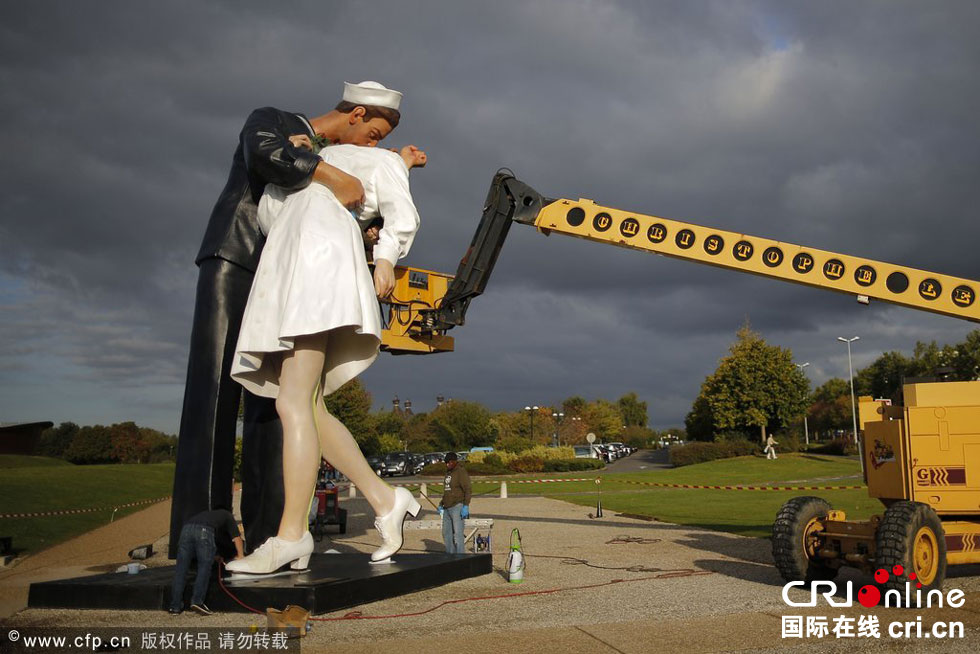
x=895 y=542
x=788 y=551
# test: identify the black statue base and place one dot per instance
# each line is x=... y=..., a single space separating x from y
x=333 y=582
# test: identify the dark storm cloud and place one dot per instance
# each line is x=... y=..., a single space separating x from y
x=847 y=127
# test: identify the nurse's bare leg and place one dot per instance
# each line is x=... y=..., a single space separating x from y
x=301 y=371
x=342 y=452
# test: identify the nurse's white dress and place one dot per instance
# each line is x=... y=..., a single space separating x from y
x=313 y=275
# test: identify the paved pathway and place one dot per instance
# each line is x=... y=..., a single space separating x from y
x=609 y=585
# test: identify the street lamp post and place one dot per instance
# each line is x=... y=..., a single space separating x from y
x=531 y=410
x=806 y=429
x=850 y=370
x=575 y=429
x=558 y=416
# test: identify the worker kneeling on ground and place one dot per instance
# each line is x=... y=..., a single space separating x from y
x=455 y=504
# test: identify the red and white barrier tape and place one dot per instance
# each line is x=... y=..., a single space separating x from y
x=45 y=514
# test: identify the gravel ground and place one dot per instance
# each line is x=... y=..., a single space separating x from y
x=613 y=584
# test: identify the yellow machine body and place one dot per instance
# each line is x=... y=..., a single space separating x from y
x=415 y=290
x=929 y=451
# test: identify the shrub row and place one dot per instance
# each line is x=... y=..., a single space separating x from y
x=838 y=447
x=501 y=457
x=572 y=465
x=518 y=464
x=698 y=452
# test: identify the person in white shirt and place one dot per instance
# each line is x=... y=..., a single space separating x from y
x=771 y=447
x=313 y=323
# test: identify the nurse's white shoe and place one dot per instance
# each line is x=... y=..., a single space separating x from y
x=390 y=524
x=274 y=553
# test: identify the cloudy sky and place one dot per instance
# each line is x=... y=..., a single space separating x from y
x=843 y=126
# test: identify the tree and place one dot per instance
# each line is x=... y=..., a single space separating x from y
x=159 y=446
x=390 y=422
x=632 y=411
x=830 y=409
x=461 y=425
x=827 y=416
x=639 y=437
x=513 y=431
x=388 y=442
x=416 y=435
x=351 y=405
x=91 y=445
x=883 y=378
x=700 y=421
x=756 y=387
x=832 y=389
x=572 y=431
x=602 y=417
x=964 y=358
x=573 y=406
x=55 y=441
x=518 y=424
x=927 y=359
x=128 y=445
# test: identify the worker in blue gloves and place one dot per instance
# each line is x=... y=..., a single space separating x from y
x=455 y=504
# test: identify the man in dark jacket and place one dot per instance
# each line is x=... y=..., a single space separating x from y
x=274 y=147
x=455 y=504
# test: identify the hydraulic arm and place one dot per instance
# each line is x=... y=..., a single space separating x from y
x=420 y=315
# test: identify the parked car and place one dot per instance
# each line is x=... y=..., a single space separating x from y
x=434 y=457
x=585 y=452
x=417 y=462
x=398 y=463
x=622 y=449
x=378 y=465
x=462 y=455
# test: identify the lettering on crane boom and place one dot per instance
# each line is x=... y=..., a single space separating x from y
x=932 y=292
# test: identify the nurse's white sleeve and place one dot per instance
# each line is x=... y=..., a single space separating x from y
x=270 y=206
x=395 y=204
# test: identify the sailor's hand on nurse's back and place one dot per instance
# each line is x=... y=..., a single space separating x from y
x=346 y=188
x=413 y=157
x=301 y=141
x=371 y=235
x=384 y=278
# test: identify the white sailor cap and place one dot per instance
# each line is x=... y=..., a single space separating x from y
x=372 y=93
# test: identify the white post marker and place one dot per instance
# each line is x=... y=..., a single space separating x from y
x=424 y=490
x=353 y=490
x=503 y=490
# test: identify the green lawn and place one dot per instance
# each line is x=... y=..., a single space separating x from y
x=37 y=487
x=29 y=484
x=749 y=513
x=27 y=461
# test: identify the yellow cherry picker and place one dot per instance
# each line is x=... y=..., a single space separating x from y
x=921 y=460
